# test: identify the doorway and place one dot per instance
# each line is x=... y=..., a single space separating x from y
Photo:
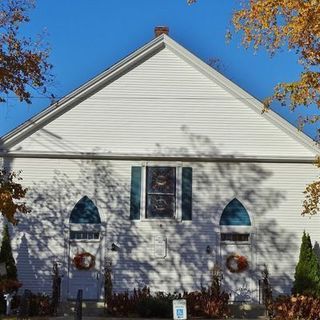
x=237 y=257
x=85 y=251
x=85 y=245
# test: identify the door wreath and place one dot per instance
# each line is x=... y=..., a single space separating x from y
x=84 y=261
x=237 y=263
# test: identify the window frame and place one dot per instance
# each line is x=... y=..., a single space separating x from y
x=234 y=233
x=87 y=239
x=89 y=228
x=178 y=196
x=236 y=229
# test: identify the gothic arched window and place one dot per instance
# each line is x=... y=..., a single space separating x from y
x=235 y=214
x=85 y=212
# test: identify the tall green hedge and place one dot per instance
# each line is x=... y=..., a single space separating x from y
x=7 y=258
x=307 y=275
x=6 y=255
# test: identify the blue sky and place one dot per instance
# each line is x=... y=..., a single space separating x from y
x=87 y=36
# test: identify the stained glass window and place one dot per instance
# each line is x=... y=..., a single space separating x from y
x=161 y=192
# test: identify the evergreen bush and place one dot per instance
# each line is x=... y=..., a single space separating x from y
x=307 y=274
x=6 y=255
x=8 y=282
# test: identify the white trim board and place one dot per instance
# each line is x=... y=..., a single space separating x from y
x=150 y=157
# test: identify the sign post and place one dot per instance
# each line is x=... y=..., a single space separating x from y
x=179 y=309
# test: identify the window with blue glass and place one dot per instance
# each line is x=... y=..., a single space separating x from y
x=235 y=214
x=85 y=212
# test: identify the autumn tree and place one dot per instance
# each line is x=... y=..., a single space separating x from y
x=12 y=195
x=24 y=66
x=295 y=25
x=292 y=25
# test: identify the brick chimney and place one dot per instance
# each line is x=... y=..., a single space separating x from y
x=160 y=30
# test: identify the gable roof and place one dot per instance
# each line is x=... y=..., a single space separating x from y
x=130 y=62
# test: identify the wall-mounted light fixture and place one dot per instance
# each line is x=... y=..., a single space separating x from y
x=208 y=250
x=114 y=247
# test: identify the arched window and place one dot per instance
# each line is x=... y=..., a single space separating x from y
x=235 y=214
x=85 y=212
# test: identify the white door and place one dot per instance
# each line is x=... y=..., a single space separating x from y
x=240 y=285
x=87 y=280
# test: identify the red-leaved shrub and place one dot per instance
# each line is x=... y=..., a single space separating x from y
x=141 y=302
x=123 y=304
x=206 y=304
x=297 y=307
x=9 y=285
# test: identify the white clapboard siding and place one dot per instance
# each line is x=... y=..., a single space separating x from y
x=271 y=192
x=164 y=106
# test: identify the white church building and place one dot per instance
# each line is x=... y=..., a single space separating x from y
x=163 y=167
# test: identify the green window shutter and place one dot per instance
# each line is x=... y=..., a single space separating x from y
x=186 y=193
x=135 y=194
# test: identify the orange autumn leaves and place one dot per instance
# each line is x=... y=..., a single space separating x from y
x=291 y=24
x=285 y=24
x=11 y=196
x=311 y=203
x=24 y=66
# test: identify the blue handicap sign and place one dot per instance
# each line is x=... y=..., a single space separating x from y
x=179 y=313
x=179 y=309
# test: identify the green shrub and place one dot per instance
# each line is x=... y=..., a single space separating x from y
x=6 y=255
x=9 y=282
x=307 y=274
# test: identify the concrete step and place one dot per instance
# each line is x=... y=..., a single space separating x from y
x=89 y=308
x=247 y=311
